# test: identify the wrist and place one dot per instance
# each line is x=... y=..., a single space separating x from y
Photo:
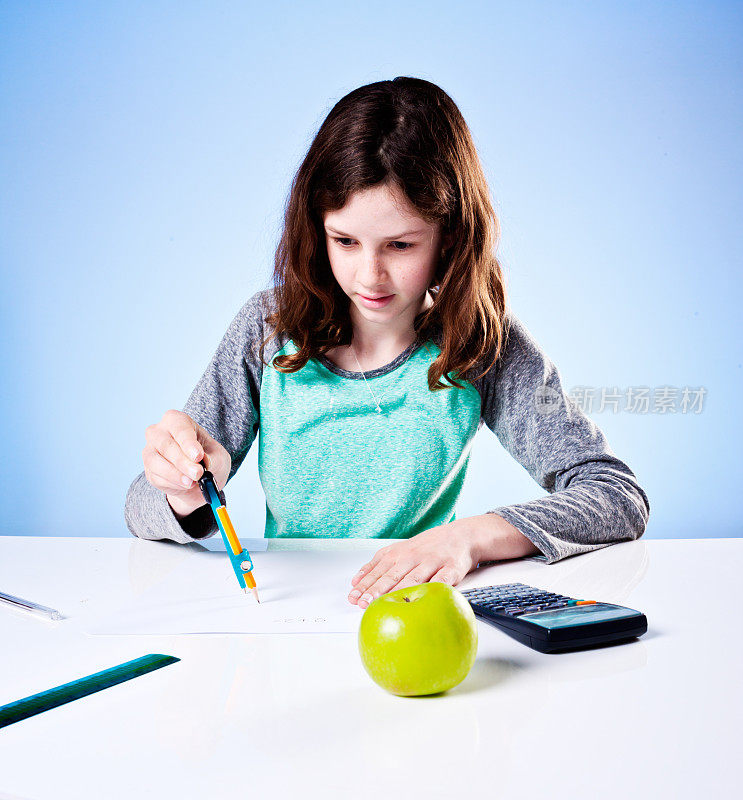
x=182 y=508
x=492 y=538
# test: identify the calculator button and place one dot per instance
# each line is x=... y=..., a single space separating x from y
x=585 y=602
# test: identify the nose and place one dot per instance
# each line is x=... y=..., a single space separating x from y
x=372 y=270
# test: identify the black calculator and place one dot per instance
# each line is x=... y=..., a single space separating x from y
x=551 y=622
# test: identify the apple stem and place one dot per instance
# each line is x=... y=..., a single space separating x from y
x=407 y=599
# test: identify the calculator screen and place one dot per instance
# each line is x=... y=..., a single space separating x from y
x=578 y=615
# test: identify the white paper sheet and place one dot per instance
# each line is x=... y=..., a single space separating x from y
x=300 y=592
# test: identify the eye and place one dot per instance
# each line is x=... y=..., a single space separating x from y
x=343 y=239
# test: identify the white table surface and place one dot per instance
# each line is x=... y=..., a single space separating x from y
x=296 y=716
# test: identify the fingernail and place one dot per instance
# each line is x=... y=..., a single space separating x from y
x=186 y=481
x=194 y=472
x=367 y=598
x=194 y=452
x=354 y=594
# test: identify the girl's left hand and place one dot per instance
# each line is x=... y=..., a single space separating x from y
x=443 y=553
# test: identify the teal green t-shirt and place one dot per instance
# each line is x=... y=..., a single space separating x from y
x=331 y=465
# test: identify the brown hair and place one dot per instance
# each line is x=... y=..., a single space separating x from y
x=409 y=132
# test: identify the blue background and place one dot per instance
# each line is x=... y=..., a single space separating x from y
x=147 y=149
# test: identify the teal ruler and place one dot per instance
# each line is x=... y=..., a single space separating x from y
x=67 y=692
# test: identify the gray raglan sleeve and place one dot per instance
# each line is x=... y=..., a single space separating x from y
x=225 y=402
x=594 y=498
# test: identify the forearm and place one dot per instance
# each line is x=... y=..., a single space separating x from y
x=492 y=538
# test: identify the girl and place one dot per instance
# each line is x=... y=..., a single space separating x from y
x=383 y=345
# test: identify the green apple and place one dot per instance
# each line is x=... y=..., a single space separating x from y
x=418 y=640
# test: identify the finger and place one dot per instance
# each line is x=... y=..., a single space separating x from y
x=169 y=449
x=370 y=578
x=422 y=574
x=360 y=574
x=183 y=431
x=211 y=460
x=364 y=570
x=163 y=475
x=447 y=574
x=386 y=582
x=370 y=565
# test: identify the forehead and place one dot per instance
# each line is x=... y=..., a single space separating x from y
x=375 y=209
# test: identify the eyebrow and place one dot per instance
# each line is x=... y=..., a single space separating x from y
x=399 y=235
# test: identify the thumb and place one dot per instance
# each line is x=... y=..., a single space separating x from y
x=200 y=446
x=210 y=457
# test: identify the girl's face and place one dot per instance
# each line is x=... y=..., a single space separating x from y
x=378 y=246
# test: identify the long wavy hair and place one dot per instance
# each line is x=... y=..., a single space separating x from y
x=409 y=132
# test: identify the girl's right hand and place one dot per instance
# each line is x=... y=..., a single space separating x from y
x=171 y=457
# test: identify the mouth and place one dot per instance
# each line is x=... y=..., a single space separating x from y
x=380 y=301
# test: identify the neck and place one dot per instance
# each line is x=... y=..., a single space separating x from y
x=374 y=338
